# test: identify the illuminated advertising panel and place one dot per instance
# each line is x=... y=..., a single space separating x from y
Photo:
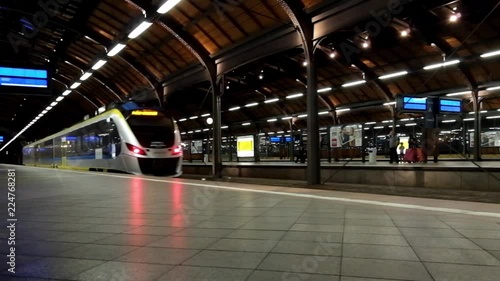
x=245 y=146
x=346 y=136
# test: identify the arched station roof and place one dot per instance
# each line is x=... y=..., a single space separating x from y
x=256 y=49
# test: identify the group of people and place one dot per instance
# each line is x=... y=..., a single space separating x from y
x=393 y=147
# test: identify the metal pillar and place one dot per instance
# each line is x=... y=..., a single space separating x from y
x=217 y=90
x=313 y=144
x=477 y=125
x=256 y=148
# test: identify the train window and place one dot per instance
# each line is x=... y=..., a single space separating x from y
x=155 y=131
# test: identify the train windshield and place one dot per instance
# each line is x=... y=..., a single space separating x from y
x=152 y=129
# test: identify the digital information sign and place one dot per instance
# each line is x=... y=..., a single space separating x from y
x=280 y=139
x=412 y=104
x=23 y=77
x=1 y=138
x=450 y=106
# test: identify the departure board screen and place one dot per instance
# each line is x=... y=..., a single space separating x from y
x=23 y=77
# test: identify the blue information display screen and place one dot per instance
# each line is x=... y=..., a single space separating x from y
x=1 y=138
x=414 y=104
x=23 y=77
x=450 y=106
x=280 y=139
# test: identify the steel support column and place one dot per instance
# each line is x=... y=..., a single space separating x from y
x=303 y=24
x=217 y=91
x=477 y=125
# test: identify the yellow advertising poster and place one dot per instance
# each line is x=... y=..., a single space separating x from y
x=245 y=146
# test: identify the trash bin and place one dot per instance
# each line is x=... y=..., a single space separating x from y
x=372 y=155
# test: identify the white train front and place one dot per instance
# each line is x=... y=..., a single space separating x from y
x=128 y=138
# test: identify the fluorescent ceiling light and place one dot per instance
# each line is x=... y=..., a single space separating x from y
x=190 y=132
x=75 y=85
x=449 y=121
x=45 y=111
x=48 y=108
x=387 y=121
x=491 y=54
x=234 y=108
x=355 y=83
x=493 y=88
x=370 y=123
x=246 y=124
x=59 y=99
x=272 y=120
x=116 y=49
x=390 y=103
x=493 y=117
x=53 y=104
x=167 y=6
x=302 y=116
x=67 y=92
x=324 y=90
x=411 y=124
x=459 y=94
x=206 y=130
x=323 y=113
x=224 y=127
x=193 y=117
x=380 y=127
x=99 y=64
x=397 y=74
x=469 y=119
x=252 y=104
x=271 y=100
x=85 y=76
x=287 y=118
x=294 y=96
x=205 y=115
x=438 y=65
x=197 y=131
x=139 y=29
x=342 y=110
x=182 y=120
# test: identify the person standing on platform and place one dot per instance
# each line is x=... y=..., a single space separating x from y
x=401 y=152
x=393 y=147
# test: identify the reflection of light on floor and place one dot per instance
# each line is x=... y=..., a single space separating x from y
x=178 y=207
x=136 y=200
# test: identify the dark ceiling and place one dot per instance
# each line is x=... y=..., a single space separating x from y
x=247 y=39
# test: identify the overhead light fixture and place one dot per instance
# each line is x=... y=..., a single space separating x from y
x=304 y=63
x=324 y=90
x=167 y=6
x=48 y=108
x=45 y=111
x=390 y=103
x=323 y=113
x=67 y=92
x=454 y=17
x=459 y=94
x=85 y=76
x=59 y=99
x=75 y=85
x=252 y=104
x=234 y=108
x=197 y=131
x=271 y=100
x=99 y=64
x=493 y=88
x=449 y=121
x=182 y=120
x=438 y=65
x=205 y=115
x=370 y=123
x=343 y=110
x=411 y=124
x=294 y=96
x=491 y=54
x=493 y=117
x=272 y=120
x=116 y=49
x=53 y=104
x=365 y=44
x=206 y=130
x=287 y=118
x=193 y=117
x=404 y=33
x=355 y=83
x=379 y=127
x=333 y=55
x=397 y=74
x=302 y=116
x=246 y=124
x=224 y=127
x=139 y=29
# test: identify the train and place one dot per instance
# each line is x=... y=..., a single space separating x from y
x=127 y=138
